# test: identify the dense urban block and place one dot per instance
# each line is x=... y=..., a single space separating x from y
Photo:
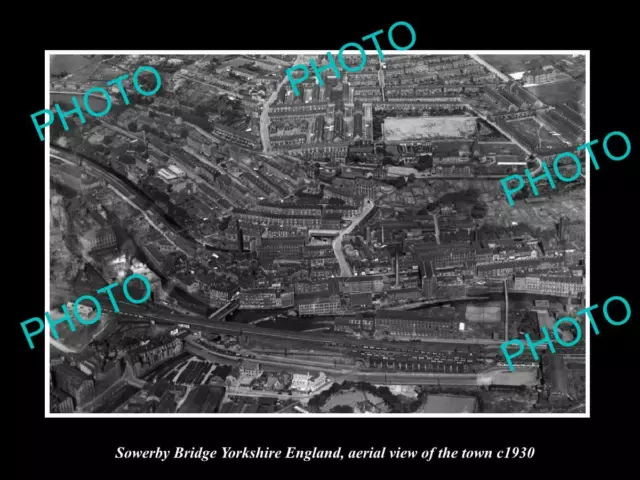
x=337 y=244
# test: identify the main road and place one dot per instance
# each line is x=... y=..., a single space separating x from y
x=61 y=346
x=264 y=116
x=345 y=271
x=491 y=68
x=437 y=227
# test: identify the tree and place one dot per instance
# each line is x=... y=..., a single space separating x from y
x=398 y=182
x=462 y=204
x=424 y=162
x=201 y=110
x=341 y=409
x=479 y=210
x=132 y=127
x=184 y=133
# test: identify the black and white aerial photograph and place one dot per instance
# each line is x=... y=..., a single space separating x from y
x=315 y=241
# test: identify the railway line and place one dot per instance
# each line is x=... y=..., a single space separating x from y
x=325 y=339
x=407 y=359
x=430 y=358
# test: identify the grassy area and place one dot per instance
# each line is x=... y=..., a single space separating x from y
x=69 y=63
x=351 y=398
x=537 y=133
x=509 y=402
x=519 y=63
x=557 y=93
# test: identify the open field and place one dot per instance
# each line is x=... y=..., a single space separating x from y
x=100 y=73
x=418 y=128
x=549 y=142
x=69 y=63
x=557 y=93
x=499 y=148
x=519 y=63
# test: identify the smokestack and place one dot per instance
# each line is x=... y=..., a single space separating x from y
x=240 y=239
x=368 y=234
x=506 y=312
x=397 y=270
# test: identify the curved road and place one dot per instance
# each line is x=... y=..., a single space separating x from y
x=345 y=271
x=61 y=346
x=264 y=116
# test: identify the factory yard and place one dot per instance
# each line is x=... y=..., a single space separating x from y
x=417 y=128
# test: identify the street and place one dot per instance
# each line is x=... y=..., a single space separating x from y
x=264 y=116
x=345 y=270
x=60 y=346
x=437 y=227
x=491 y=68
